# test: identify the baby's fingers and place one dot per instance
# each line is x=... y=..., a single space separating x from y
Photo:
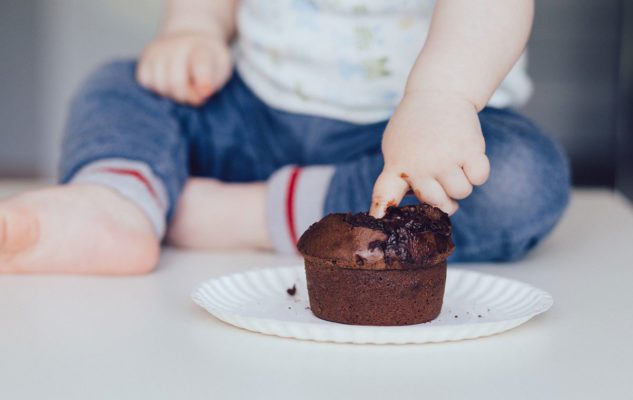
x=146 y=70
x=179 y=76
x=144 y=73
x=455 y=183
x=160 y=74
x=389 y=190
x=202 y=69
x=477 y=169
x=431 y=192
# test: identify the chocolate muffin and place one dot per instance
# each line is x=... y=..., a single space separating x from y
x=366 y=271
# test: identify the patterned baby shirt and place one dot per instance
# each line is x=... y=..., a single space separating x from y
x=341 y=59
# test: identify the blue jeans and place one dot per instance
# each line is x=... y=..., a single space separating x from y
x=236 y=137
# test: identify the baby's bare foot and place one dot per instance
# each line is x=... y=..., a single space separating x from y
x=215 y=215
x=75 y=229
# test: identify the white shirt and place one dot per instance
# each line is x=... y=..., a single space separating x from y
x=341 y=59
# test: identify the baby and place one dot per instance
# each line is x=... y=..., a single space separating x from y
x=246 y=121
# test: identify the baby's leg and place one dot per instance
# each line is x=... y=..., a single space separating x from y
x=525 y=196
x=523 y=199
x=278 y=204
x=251 y=215
x=206 y=204
x=124 y=162
x=75 y=229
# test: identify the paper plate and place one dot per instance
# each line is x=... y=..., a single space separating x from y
x=475 y=305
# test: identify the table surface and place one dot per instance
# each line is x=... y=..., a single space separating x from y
x=68 y=337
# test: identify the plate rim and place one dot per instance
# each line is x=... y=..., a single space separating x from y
x=545 y=298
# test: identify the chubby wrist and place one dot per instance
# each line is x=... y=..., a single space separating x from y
x=201 y=26
x=435 y=81
x=439 y=95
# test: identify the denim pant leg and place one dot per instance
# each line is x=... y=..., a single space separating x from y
x=113 y=117
x=524 y=197
x=236 y=137
x=233 y=136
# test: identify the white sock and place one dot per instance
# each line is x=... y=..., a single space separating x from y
x=295 y=198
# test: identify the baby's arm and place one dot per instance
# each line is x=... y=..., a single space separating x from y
x=433 y=143
x=190 y=59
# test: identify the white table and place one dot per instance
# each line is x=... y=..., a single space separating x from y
x=64 y=337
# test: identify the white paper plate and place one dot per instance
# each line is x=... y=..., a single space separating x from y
x=475 y=305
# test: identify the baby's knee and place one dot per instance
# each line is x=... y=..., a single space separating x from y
x=113 y=79
x=528 y=191
x=531 y=170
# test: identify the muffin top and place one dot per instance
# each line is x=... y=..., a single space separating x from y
x=405 y=238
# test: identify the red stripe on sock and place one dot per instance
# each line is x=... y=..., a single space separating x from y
x=290 y=200
x=134 y=174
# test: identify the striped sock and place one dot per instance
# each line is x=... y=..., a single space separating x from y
x=295 y=200
x=135 y=181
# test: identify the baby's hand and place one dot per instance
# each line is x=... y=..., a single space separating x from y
x=433 y=144
x=187 y=67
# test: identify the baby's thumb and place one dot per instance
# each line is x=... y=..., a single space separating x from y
x=389 y=190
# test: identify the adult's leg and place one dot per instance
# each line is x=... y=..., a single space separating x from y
x=524 y=197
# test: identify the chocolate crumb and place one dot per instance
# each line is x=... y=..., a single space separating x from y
x=307 y=308
x=456 y=316
x=289 y=308
x=292 y=291
x=479 y=316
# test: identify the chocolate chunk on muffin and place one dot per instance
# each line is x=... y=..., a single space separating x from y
x=389 y=271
